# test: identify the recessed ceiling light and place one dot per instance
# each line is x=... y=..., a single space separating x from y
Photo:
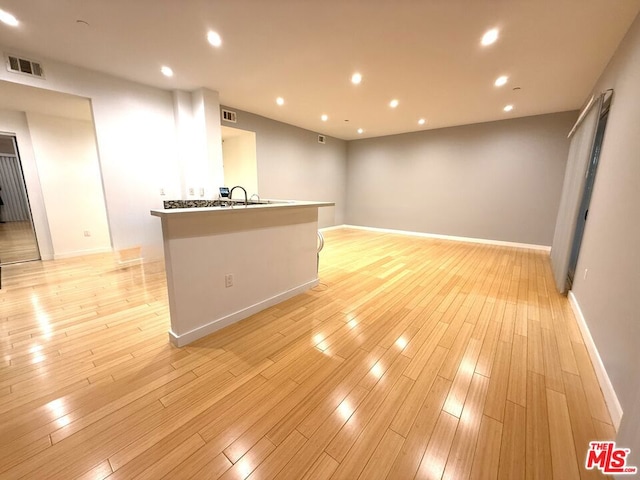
x=356 y=78
x=360 y=131
x=324 y=117
x=489 y=37
x=214 y=38
x=166 y=71
x=393 y=103
x=508 y=108
x=6 y=17
x=280 y=101
x=500 y=81
x=421 y=121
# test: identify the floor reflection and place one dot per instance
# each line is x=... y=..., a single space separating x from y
x=17 y=243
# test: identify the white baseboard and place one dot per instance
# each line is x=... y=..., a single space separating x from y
x=333 y=227
x=45 y=256
x=214 y=325
x=501 y=243
x=610 y=397
x=80 y=253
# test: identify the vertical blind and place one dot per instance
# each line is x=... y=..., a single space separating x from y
x=572 y=189
x=15 y=208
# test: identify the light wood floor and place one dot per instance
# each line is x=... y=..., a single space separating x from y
x=17 y=242
x=414 y=358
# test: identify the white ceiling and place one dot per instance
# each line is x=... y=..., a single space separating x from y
x=425 y=53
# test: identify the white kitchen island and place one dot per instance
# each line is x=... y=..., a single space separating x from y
x=268 y=249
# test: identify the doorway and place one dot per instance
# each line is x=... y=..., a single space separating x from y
x=239 y=158
x=18 y=241
x=592 y=168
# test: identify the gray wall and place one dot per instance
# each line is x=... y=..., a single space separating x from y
x=293 y=165
x=499 y=180
x=610 y=295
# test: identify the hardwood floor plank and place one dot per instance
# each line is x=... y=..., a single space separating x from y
x=361 y=450
x=604 y=431
x=251 y=436
x=199 y=465
x=225 y=432
x=410 y=455
x=149 y=392
x=538 y=449
x=372 y=410
x=563 y=339
x=314 y=447
x=522 y=310
x=426 y=322
x=595 y=400
x=219 y=416
x=213 y=469
x=488 y=351
x=425 y=351
x=563 y=452
x=535 y=357
x=13 y=455
x=460 y=458
x=517 y=390
x=383 y=456
x=435 y=457
x=412 y=404
x=323 y=468
x=499 y=382
x=85 y=449
x=349 y=373
x=552 y=367
x=462 y=381
x=99 y=472
x=173 y=419
x=250 y=460
x=280 y=456
x=582 y=425
x=163 y=454
x=512 y=450
x=456 y=352
x=508 y=323
x=486 y=458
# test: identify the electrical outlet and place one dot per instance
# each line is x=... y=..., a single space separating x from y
x=228 y=280
x=87 y=233
x=162 y=191
x=201 y=192
x=191 y=191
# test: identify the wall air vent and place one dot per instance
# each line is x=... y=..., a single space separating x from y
x=24 y=66
x=322 y=139
x=229 y=116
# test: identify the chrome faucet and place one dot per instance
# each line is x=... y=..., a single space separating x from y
x=255 y=195
x=246 y=200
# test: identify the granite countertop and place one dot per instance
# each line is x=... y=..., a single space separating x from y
x=212 y=206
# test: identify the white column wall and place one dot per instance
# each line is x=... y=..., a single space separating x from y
x=205 y=172
x=67 y=160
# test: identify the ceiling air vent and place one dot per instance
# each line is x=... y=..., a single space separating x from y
x=25 y=66
x=322 y=139
x=229 y=116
